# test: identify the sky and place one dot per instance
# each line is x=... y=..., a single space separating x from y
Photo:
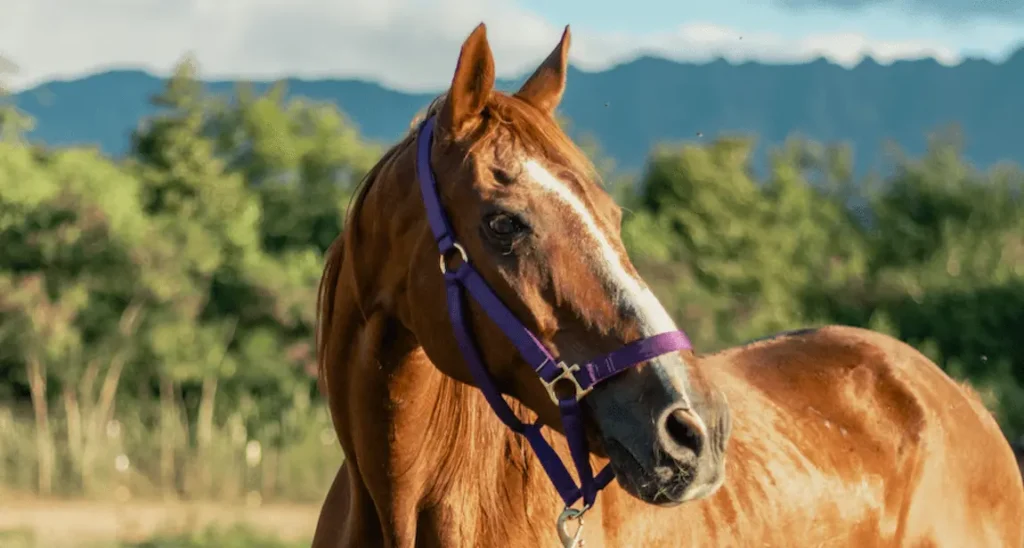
x=412 y=45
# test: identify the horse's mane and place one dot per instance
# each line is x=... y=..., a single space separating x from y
x=337 y=257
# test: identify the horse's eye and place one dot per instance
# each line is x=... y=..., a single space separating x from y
x=503 y=177
x=506 y=226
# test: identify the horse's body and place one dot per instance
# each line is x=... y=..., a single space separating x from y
x=848 y=438
x=841 y=436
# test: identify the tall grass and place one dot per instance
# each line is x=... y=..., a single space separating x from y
x=290 y=458
x=237 y=536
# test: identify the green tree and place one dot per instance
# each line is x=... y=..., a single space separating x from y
x=931 y=255
x=75 y=244
x=213 y=221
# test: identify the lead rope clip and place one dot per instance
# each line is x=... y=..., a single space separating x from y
x=574 y=540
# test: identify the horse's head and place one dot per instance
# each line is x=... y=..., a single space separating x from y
x=525 y=204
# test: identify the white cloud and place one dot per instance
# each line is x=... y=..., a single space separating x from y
x=704 y=41
x=406 y=44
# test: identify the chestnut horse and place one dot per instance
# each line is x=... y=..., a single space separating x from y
x=835 y=436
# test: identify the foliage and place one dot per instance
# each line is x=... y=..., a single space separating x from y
x=156 y=311
x=933 y=254
x=161 y=277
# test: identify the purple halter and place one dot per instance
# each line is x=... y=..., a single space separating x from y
x=583 y=377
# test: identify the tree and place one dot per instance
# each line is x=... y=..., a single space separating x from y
x=214 y=221
x=74 y=237
x=13 y=123
x=934 y=255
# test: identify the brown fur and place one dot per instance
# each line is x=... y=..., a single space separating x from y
x=841 y=436
x=1018 y=451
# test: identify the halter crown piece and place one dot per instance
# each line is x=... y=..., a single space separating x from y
x=466 y=279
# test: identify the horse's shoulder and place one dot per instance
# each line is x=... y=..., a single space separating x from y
x=841 y=371
x=836 y=350
x=863 y=404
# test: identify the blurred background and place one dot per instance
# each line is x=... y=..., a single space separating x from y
x=172 y=173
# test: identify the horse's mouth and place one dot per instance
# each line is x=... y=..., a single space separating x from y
x=662 y=485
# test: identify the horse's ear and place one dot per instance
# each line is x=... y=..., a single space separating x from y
x=545 y=87
x=471 y=85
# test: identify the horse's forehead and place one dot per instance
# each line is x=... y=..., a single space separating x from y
x=539 y=163
x=564 y=193
x=515 y=148
x=507 y=141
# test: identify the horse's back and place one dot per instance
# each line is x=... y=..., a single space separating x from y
x=915 y=453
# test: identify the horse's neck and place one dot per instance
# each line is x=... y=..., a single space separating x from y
x=436 y=464
x=473 y=479
x=429 y=450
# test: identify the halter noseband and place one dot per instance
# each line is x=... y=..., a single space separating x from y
x=583 y=377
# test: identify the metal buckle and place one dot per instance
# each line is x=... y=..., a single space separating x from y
x=567 y=373
x=443 y=260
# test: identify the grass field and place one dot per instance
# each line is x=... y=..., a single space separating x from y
x=73 y=524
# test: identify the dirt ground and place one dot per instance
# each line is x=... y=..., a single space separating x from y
x=75 y=523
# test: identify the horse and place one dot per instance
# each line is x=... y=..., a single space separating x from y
x=479 y=248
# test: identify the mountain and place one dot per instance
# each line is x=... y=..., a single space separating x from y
x=632 y=106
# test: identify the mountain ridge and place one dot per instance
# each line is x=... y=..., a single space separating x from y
x=637 y=104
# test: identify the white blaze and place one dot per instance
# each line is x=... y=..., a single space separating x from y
x=652 y=316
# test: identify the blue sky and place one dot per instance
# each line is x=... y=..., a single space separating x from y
x=413 y=44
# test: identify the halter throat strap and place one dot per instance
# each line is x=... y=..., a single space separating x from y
x=465 y=279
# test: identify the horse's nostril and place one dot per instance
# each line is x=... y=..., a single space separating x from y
x=682 y=433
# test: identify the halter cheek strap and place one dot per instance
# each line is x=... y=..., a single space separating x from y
x=465 y=279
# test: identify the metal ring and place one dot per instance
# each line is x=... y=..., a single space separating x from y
x=572 y=514
x=443 y=260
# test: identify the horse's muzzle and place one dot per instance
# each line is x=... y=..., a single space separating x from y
x=665 y=447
